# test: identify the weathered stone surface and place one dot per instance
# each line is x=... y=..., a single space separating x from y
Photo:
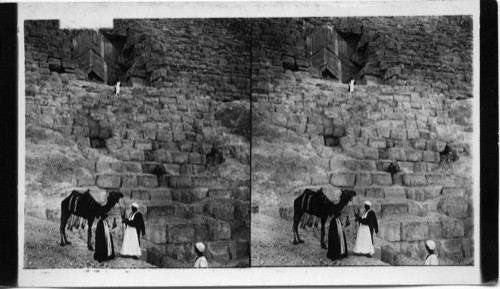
x=450 y=248
x=180 y=157
x=197 y=159
x=414 y=231
x=413 y=155
x=180 y=231
x=220 y=193
x=220 y=210
x=375 y=192
x=148 y=181
x=363 y=179
x=453 y=191
x=397 y=154
x=394 y=209
x=415 y=193
x=218 y=251
x=377 y=143
x=179 y=182
x=399 y=134
x=108 y=181
x=390 y=231
x=162 y=156
x=435 y=231
x=440 y=180
x=414 y=180
x=370 y=153
x=367 y=165
x=129 y=181
x=172 y=169
x=430 y=156
x=343 y=179
x=456 y=207
x=156 y=233
x=218 y=230
x=382 y=179
x=395 y=192
x=452 y=228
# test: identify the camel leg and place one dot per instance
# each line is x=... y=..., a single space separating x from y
x=89 y=234
x=323 y=221
x=62 y=228
x=296 y=219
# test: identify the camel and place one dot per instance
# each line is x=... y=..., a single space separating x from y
x=84 y=205
x=317 y=204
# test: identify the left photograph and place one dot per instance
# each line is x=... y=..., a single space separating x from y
x=137 y=151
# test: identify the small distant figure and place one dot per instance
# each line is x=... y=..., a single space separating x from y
x=448 y=155
x=337 y=245
x=351 y=85
x=393 y=169
x=104 y=246
x=200 y=261
x=117 y=88
x=367 y=226
x=132 y=237
x=431 y=258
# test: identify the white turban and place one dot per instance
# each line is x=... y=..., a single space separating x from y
x=135 y=205
x=368 y=203
x=431 y=244
x=200 y=247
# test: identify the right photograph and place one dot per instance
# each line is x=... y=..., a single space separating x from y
x=362 y=136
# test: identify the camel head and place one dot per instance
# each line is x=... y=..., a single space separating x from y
x=347 y=195
x=114 y=197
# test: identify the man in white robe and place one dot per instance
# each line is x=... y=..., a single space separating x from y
x=367 y=226
x=134 y=227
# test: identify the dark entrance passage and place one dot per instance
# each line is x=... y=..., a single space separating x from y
x=97 y=54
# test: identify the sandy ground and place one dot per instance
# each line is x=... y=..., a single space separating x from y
x=42 y=249
x=272 y=246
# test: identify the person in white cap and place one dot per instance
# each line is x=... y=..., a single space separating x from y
x=132 y=237
x=431 y=258
x=367 y=226
x=200 y=261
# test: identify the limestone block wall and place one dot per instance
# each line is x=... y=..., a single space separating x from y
x=204 y=56
x=429 y=52
x=209 y=57
x=378 y=125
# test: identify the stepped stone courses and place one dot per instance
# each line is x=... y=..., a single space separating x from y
x=406 y=114
x=152 y=140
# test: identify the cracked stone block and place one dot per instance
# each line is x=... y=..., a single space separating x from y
x=414 y=231
x=394 y=209
x=414 y=180
x=108 y=181
x=452 y=228
x=456 y=207
x=343 y=179
x=382 y=179
x=390 y=231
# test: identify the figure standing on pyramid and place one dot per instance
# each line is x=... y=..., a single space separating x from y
x=351 y=85
x=117 y=88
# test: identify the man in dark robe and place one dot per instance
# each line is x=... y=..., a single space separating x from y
x=104 y=247
x=337 y=245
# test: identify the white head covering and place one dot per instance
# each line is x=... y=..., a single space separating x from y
x=200 y=247
x=430 y=244
x=368 y=203
x=135 y=205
